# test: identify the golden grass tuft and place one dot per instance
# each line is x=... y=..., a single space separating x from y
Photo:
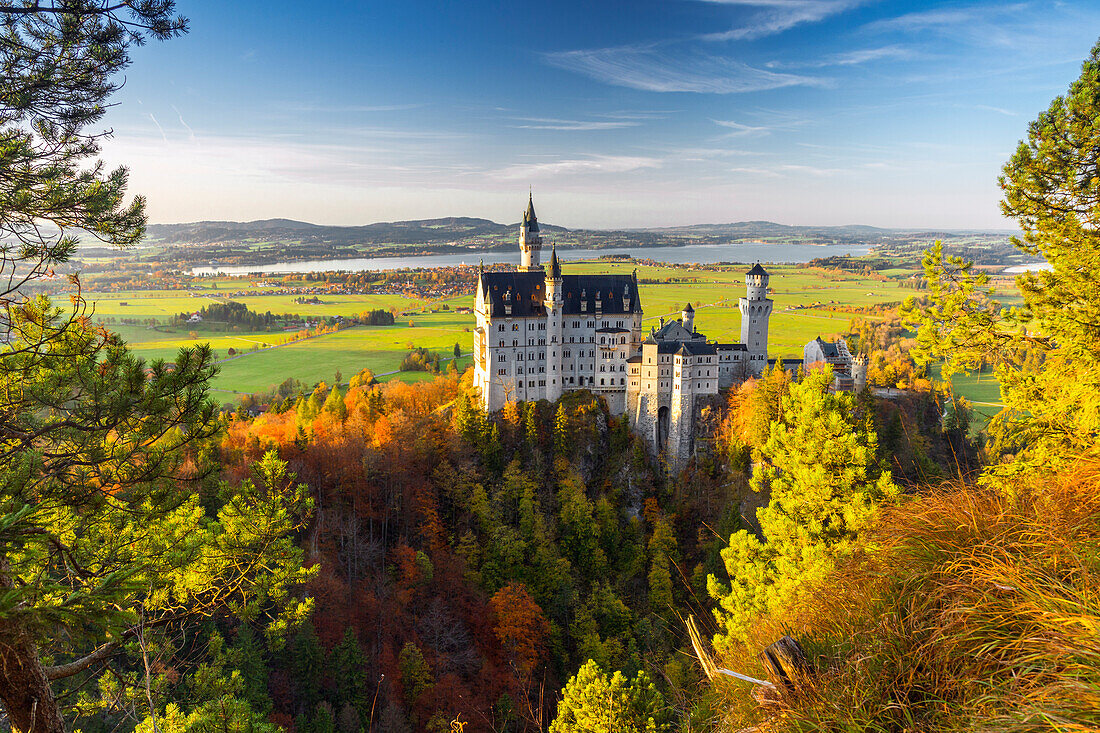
x=974 y=610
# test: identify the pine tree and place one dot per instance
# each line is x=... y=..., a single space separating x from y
x=562 y=436
x=592 y=702
x=348 y=665
x=826 y=484
x=306 y=662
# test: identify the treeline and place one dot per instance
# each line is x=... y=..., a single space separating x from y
x=377 y=317
x=235 y=314
x=421 y=359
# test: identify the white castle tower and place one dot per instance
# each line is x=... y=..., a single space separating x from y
x=530 y=243
x=756 y=309
x=554 y=303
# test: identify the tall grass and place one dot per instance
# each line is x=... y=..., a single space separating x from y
x=975 y=609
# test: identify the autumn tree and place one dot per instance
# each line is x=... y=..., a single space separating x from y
x=520 y=626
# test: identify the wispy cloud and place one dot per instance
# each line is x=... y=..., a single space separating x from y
x=588 y=165
x=998 y=110
x=190 y=132
x=777 y=16
x=980 y=24
x=850 y=58
x=737 y=129
x=544 y=123
x=661 y=69
x=941 y=18
x=810 y=170
x=765 y=172
x=154 y=119
x=352 y=108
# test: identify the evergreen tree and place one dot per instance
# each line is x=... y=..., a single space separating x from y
x=348 y=665
x=334 y=405
x=306 y=662
x=592 y=702
x=826 y=483
x=562 y=436
x=254 y=672
x=416 y=676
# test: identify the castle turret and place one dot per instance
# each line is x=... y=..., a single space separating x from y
x=756 y=310
x=687 y=318
x=530 y=243
x=554 y=303
x=859 y=372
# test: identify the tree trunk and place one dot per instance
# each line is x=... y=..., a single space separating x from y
x=24 y=688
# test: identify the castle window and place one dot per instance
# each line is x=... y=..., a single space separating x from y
x=531 y=384
x=542 y=326
x=519 y=370
x=500 y=327
x=515 y=327
x=501 y=371
x=515 y=342
x=502 y=343
x=622 y=381
x=519 y=356
x=542 y=382
x=601 y=381
x=591 y=324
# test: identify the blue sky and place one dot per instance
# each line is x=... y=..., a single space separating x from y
x=617 y=114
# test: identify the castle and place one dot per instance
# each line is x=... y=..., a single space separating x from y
x=541 y=333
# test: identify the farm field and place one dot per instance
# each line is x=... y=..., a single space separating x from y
x=808 y=303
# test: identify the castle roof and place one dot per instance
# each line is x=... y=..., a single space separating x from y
x=829 y=350
x=697 y=348
x=609 y=290
x=529 y=221
x=526 y=291
x=731 y=347
x=757 y=270
x=523 y=291
x=688 y=308
x=612 y=329
x=555 y=266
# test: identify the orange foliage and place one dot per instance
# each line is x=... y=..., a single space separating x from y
x=520 y=625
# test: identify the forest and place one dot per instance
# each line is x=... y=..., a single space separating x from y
x=391 y=558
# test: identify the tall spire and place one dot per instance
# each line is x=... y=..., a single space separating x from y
x=529 y=216
x=555 y=266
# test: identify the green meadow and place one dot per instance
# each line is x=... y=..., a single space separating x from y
x=823 y=300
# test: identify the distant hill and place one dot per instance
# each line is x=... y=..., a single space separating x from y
x=457 y=229
x=271 y=240
x=423 y=231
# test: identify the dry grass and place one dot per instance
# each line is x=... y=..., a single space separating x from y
x=978 y=611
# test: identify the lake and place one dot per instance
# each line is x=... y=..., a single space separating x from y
x=699 y=253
